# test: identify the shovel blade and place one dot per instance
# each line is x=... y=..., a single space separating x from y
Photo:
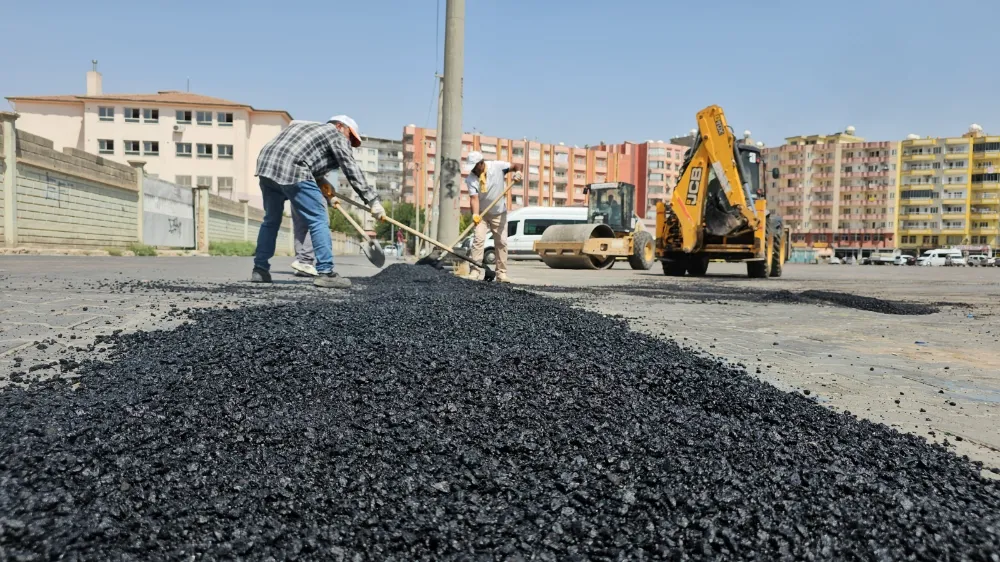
x=373 y=251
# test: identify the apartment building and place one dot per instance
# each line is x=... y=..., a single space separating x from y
x=836 y=191
x=382 y=162
x=186 y=138
x=554 y=174
x=950 y=192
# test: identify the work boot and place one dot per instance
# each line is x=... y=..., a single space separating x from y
x=503 y=279
x=331 y=280
x=260 y=276
x=304 y=269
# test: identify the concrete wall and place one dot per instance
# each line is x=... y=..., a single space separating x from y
x=62 y=122
x=226 y=224
x=56 y=209
x=72 y=199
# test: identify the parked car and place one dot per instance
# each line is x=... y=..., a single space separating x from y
x=903 y=259
x=979 y=260
x=882 y=256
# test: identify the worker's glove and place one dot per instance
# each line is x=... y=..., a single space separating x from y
x=518 y=176
x=378 y=211
x=476 y=219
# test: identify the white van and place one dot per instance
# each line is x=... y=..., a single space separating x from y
x=942 y=256
x=526 y=225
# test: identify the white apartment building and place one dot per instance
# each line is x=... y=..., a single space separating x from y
x=185 y=138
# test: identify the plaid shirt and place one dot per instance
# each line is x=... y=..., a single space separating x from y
x=305 y=151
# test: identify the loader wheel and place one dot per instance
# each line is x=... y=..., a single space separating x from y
x=757 y=269
x=698 y=266
x=776 y=255
x=642 y=251
x=674 y=268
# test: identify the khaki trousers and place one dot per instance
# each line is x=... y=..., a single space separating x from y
x=497 y=224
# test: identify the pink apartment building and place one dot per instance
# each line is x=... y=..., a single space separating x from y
x=555 y=174
x=185 y=138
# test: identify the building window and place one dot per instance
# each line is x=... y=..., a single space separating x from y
x=151 y=148
x=105 y=146
x=204 y=117
x=183 y=149
x=656 y=164
x=226 y=151
x=534 y=154
x=184 y=181
x=150 y=115
x=132 y=114
x=533 y=170
x=225 y=119
x=580 y=161
x=657 y=151
x=183 y=117
x=106 y=113
x=488 y=148
x=656 y=177
x=225 y=187
x=503 y=153
x=372 y=152
x=131 y=147
x=518 y=152
x=204 y=181
x=204 y=150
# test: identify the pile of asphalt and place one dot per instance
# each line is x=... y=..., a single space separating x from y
x=715 y=291
x=431 y=418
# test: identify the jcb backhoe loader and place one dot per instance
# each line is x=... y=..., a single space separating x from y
x=718 y=210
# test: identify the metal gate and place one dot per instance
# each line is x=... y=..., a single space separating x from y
x=167 y=214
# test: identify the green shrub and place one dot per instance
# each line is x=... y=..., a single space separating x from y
x=116 y=252
x=242 y=249
x=142 y=249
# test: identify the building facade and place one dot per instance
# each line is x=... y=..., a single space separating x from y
x=185 y=138
x=554 y=174
x=657 y=165
x=949 y=192
x=836 y=191
x=382 y=161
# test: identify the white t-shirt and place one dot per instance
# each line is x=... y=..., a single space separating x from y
x=495 y=185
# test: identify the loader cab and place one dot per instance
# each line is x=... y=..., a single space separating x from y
x=750 y=158
x=611 y=203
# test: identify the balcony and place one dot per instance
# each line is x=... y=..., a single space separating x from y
x=953 y=230
x=993 y=186
x=920 y=142
x=918 y=201
x=919 y=172
x=956 y=156
x=952 y=215
x=821 y=203
x=915 y=216
x=918 y=157
x=984 y=216
x=912 y=231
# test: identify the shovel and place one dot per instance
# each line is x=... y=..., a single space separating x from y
x=434 y=258
x=490 y=274
x=369 y=246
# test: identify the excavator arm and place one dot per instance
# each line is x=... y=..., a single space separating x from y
x=713 y=192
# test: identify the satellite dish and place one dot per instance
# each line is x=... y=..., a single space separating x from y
x=911 y=136
x=746 y=134
x=850 y=129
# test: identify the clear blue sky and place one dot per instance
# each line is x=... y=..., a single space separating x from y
x=576 y=71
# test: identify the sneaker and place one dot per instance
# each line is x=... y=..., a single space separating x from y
x=503 y=279
x=331 y=280
x=260 y=276
x=304 y=269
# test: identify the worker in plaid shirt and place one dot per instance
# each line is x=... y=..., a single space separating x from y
x=288 y=166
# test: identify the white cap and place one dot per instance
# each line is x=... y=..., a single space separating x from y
x=352 y=125
x=474 y=158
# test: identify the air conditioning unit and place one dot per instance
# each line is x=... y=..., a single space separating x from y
x=178 y=128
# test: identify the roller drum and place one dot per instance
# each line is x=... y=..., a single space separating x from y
x=578 y=233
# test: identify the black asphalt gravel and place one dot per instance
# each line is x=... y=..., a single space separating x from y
x=431 y=418
x=719 y=292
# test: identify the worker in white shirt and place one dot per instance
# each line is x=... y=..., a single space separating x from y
x=486 y=184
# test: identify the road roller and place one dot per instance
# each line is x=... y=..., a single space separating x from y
x=718 y=210
x=612 y=231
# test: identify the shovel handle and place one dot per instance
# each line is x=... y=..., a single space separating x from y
x=350 y=219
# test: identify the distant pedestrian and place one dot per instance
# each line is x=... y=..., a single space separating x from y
x=486 y=185
x=288 y=166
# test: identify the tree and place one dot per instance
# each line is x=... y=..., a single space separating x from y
x=401 y=212
x=464 y=221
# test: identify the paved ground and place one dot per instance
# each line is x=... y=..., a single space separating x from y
x=852 y=360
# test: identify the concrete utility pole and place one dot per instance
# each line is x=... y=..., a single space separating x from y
x=436 y=200
x=450 y=136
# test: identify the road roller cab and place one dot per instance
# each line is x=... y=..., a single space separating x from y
x=612 y=231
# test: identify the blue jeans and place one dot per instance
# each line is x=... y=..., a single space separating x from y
x=307 y=200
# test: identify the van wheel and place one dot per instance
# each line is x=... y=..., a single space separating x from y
x=490 y=256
